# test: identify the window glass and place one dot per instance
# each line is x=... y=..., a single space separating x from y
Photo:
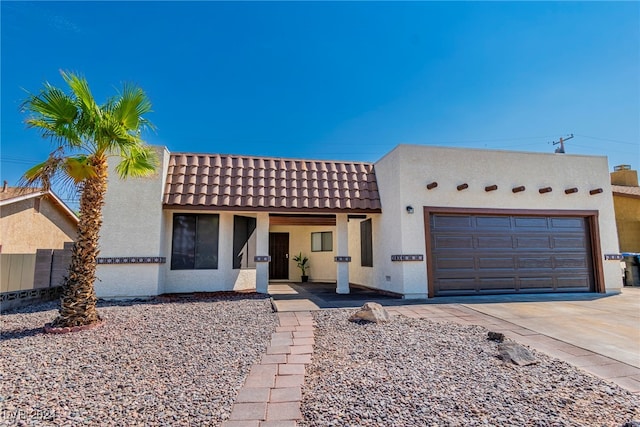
x=244 y=242
x=322 y=242
x=207 y=241
x=366 y=244
x=194 y=242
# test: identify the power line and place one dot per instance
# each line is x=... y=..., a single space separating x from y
x=610 y=140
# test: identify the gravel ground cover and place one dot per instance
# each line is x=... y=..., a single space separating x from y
x=414 y=372
x=153 y=363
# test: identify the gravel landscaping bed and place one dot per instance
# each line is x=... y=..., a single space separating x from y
x=414 y=372
x=153 y=363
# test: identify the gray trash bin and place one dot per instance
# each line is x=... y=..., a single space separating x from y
x=632 y=269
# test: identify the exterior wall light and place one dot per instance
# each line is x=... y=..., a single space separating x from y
x=491 y=187
x=595 y=191
x=432 y=185
x=518 y=189
x=409 y=209
x=462 y=186
x=545 y=190
x=571 y=190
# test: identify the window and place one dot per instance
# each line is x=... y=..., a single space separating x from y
x=322 y=242
x=194 y=243
x=366 y=244
x=244 y=242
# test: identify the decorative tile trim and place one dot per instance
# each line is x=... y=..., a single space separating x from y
x=342 y=259
x=407 y=257
x=613 y=257
x=262 y=258
x=132 y=260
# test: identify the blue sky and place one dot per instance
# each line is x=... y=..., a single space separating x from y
x=343 y=80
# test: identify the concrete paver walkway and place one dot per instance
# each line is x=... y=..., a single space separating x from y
x=271 y=394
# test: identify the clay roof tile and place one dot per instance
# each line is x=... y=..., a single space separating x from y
x=257 y=182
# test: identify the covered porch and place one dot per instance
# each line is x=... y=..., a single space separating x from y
x=321 y=238
x=290 y=296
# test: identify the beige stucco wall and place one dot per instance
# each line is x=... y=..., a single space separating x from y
x=224 y=278
x=627 y=211
x=322 y=266
x=23 y=230
x=404 y=173
x=133 y=224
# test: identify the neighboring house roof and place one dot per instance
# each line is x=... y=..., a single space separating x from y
x=262 y=183
x=9 y=195
x=621 y=190
x=18 y=192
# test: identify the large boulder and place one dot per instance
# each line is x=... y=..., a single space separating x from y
x=515 y=353
x=370 y=312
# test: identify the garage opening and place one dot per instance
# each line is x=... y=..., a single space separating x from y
x=472 y=252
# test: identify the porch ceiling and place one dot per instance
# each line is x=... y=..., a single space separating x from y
x=261 y=183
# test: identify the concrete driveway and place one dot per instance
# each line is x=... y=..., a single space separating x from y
x=609 y=326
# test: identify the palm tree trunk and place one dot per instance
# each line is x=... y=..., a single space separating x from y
x=78 y=303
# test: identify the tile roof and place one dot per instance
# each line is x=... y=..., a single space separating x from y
x=247 y=182
x=626 y=191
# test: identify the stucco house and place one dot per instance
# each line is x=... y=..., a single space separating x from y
x=626 y=204
x=32 y=219
x=420 y=222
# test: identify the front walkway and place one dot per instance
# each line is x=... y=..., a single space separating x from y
x=271 y=394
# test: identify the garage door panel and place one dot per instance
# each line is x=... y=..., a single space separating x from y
x=475 y=254
x=576 y=224
x=496 y=263
x=535 y=262
x=494 y=242
x=567 y=262
x=531 y=222
x=568 y=242
x=532 y=283
x=455 y=285
x=453 y=242
x=498 y=283
x=457 y=222
x=499 y=222
x=457 y=263
x=574 y=282
x=530 y=242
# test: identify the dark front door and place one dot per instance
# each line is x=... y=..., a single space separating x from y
x=279 y=251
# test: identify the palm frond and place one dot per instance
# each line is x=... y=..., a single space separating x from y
x=79 y=168
x=80 y=88
x=131 y=106
x=137 y=161
x=43 y=174
x=54 y=113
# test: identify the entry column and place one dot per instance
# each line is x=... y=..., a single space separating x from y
x=342 y=258
x=262 y=257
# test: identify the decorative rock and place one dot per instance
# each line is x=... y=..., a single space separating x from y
x=495 y=336
x=515 y=353
x=370 y=312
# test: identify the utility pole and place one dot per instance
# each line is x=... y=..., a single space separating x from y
x=561 y=142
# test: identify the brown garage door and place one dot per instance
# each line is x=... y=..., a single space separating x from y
x=481 y=254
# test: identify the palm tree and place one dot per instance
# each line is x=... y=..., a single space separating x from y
x=84 y=134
